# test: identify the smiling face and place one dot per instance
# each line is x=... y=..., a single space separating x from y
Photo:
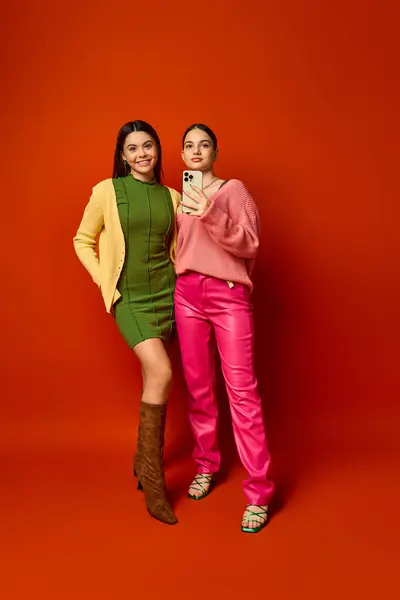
x=198 y=151
x=141 y=153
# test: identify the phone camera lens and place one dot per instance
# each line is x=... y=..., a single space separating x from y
x=186 y=179
x=190 y=176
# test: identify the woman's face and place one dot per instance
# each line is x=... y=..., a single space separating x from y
x=198 y=152
x=141 y=154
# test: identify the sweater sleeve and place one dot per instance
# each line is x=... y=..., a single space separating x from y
x=176 y=200
x=85 y=239
x=237 y=228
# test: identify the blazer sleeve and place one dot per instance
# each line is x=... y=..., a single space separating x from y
x=85 y=239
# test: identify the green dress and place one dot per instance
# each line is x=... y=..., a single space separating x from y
x=147 y=282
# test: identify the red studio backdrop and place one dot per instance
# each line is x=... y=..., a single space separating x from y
x=304 y=98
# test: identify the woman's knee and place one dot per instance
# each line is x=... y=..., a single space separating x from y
x=158 y=375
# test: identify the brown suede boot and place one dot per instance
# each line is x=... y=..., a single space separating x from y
x=149 y=461
x=139 y=452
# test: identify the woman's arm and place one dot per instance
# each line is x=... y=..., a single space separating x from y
x=85 y=239
x=236 y=227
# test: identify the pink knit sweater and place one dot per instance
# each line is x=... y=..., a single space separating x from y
x=223 y=242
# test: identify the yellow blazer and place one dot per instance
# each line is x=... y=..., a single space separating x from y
x=101 y=217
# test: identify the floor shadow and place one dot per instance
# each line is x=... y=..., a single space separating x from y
x=277 y=304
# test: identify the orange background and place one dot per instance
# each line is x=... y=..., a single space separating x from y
x=303 y=96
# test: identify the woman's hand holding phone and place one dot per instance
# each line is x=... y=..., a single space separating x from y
x=196 y=201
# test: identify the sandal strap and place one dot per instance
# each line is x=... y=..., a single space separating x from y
x=197 y=484
x=260 y=516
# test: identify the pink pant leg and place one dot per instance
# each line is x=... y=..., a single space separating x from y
x=231 y=315
x=198 y=360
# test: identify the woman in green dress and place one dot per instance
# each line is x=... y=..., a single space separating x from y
x=133 y=217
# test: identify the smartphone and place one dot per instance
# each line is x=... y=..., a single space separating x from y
x=190 y=178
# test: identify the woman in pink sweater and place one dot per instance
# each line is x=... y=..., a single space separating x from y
x=216 y=247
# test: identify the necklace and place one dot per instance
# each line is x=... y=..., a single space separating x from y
x=213 y=181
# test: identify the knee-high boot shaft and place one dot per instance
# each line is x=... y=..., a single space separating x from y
x=149 y=461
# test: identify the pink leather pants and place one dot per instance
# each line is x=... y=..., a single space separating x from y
x=205 y=306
